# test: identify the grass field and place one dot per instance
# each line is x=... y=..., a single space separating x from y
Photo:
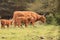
x=40 y=32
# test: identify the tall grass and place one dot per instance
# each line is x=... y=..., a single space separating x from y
x=39 y=32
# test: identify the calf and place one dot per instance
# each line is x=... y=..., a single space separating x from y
x=20 y=20
x=5 y=22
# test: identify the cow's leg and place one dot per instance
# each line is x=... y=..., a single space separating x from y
x=18 y=24
x=15 y=23
x=32 y=21
x=26 y=23
x=2 y=26
x=7 y=25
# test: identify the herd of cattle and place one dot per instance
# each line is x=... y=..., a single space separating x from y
x=26 y=17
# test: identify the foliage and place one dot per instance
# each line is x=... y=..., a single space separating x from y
x=58 y=18
x=51 y=19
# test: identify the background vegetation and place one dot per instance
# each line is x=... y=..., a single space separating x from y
x=49 y=8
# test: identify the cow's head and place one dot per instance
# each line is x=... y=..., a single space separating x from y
x=42 y=18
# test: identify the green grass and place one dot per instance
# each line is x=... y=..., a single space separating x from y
x=40 y=32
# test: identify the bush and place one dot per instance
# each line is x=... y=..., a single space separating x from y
x=50 y=19
x=58 y=20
